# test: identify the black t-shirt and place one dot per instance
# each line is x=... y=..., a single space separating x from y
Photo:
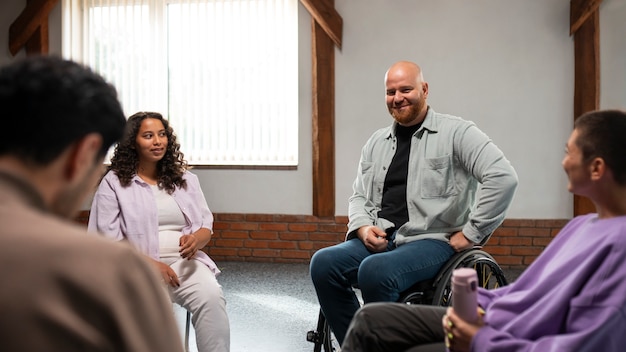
x=393 y=207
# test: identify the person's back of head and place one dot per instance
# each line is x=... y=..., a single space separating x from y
x=49 y=103
x=602 y=134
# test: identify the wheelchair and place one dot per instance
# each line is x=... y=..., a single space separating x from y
x=435 y=291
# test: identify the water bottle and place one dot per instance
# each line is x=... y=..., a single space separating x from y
x=464 y=299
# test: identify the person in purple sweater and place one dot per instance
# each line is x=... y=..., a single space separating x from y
x=571 y=298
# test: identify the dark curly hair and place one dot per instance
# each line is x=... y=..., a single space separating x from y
x=170 y=168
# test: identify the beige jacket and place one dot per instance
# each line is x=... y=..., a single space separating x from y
x=65 y=290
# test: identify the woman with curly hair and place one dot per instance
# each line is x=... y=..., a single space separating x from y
x=148 y=198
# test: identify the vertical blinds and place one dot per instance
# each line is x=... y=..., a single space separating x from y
x=223 y=71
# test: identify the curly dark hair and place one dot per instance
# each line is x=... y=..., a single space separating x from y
x=170 y=168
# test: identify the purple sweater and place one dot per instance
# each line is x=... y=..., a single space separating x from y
x=571 y=298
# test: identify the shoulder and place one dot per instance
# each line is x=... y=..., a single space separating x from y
x=110 y=178
x=436 y=121
x=580 y=219
x=58 y=265
x=615 y=228
x=188 y=175
x=606 y=232
x=101 y=262
x=71 y=243
x=380 y=134
x=383 y=132
x=111 y=184
x=111 y=175
x=191 y=179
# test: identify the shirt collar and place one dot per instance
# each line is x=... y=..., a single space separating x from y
x=429 y=123
x=24 y=189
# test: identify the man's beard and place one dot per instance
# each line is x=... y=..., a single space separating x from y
x=407 y=115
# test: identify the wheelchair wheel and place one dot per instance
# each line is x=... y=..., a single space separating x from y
x=436 y=291
x=420 y=293
x=330 y=342
x=323 y=337
x=490 y=275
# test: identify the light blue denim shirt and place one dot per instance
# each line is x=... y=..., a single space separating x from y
x=458 y=180
x=130 y=213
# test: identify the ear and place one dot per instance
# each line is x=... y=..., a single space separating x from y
x=597 y=169
x=82 y=156
x=425 y=89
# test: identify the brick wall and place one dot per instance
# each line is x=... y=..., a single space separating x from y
x=517 y=242
x=294 y=238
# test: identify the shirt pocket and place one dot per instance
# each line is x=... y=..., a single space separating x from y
x=437 y=177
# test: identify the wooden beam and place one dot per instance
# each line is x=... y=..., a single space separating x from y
x=587 y=66
x=586 y=78
x=34 y=16
x=323 y=11
x=580 y=10
x=38 y=43
x=323 y=122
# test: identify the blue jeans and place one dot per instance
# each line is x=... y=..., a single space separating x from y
x=380 y=276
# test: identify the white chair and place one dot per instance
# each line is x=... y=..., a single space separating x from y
x=177 y=313
x=187 y=328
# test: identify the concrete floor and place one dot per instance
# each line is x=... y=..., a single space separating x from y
x=271 y=306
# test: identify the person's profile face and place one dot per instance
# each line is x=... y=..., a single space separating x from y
x=578 y=174
x=151 y=140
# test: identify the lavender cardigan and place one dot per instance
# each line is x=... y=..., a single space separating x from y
x=130 y=213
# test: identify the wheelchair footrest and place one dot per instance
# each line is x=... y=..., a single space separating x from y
x=315 y=336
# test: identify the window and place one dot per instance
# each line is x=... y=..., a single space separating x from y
x=224 y=72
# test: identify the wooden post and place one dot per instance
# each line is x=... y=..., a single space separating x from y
x=323 y=122
x=326 y=29
x=30 y=29
x=585 y=26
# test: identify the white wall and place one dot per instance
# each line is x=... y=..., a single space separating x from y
x=9 y=10
x=506 y=64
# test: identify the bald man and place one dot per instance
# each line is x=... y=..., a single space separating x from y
x=427 y=186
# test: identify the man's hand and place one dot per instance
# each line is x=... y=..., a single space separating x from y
x=459 y=242
x=374 y=238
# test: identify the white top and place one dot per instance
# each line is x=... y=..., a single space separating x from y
x=171 y=223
